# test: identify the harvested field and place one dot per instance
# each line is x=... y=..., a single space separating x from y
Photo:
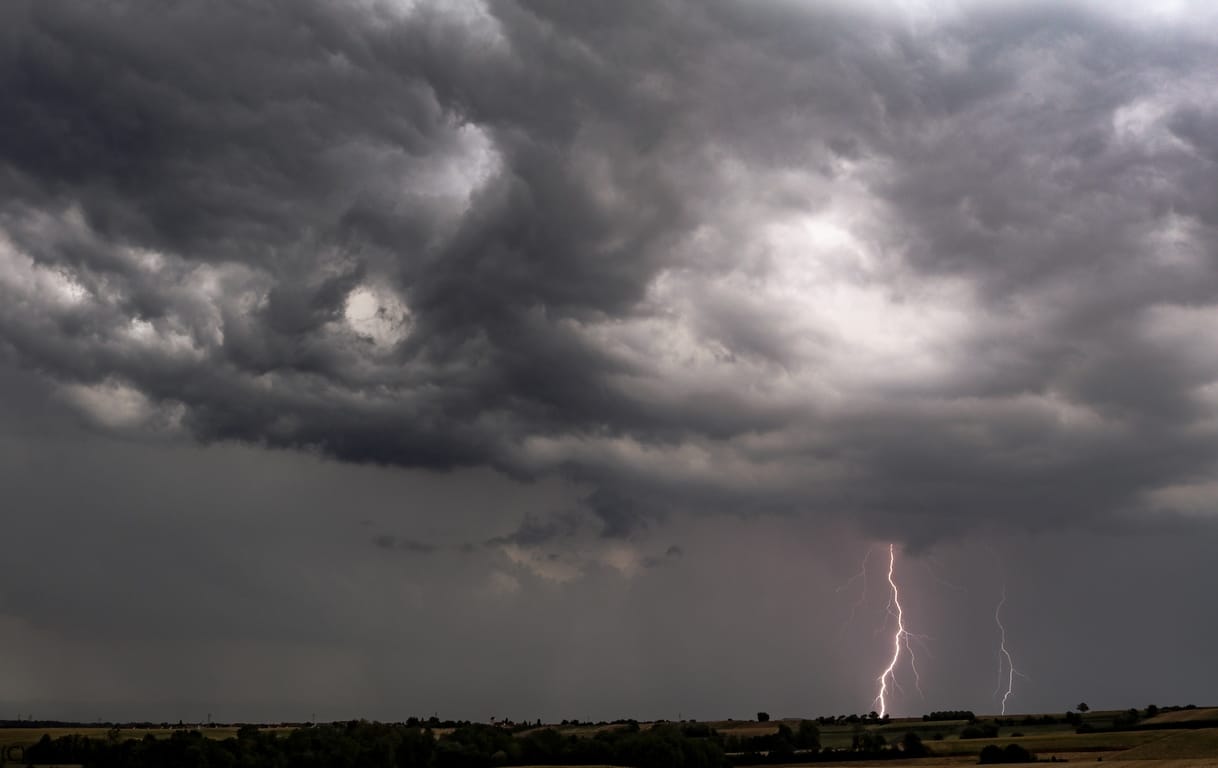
x=1203 y=714
x=1201 y=743
x=1055 y=743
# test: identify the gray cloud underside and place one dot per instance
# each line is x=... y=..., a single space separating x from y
x=929 y=273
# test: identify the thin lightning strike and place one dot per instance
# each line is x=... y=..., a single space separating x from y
x=1004 y=655
x=929 y=564
x=900 y=639
x=862 y=574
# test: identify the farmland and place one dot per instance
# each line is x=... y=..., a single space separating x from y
x=1180 y=738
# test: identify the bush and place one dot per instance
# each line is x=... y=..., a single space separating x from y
x=992 y=754
x=1017 y=754
x=1125 y=720
x=980 y=731
x=808 y=736
x=912 y=746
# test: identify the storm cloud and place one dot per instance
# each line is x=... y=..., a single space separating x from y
x=915 y=273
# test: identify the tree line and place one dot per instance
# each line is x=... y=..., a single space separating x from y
x=380 y=745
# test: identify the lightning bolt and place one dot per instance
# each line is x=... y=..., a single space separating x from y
x=900 y=639
x=1004 y=655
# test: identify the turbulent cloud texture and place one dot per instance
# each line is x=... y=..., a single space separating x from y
x=925 y=270
x=910 y=272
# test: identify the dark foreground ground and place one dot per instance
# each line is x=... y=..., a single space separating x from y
x=1184 y=738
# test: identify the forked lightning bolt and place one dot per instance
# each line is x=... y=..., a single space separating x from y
x=900 y=639
x=1004 y=655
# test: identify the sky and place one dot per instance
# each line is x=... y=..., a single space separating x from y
x=539 y=359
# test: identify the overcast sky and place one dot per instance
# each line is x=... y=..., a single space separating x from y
x=376 y=358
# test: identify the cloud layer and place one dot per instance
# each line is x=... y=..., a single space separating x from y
x=926 y=271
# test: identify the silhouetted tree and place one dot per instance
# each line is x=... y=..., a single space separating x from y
x=808 y=735
x=979 y=731
x=1013 y=753
x=912 y=746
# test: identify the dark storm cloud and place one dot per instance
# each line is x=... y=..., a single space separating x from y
x=924 y=272
x=671 y=555
x=403 y=544
x=619 y=515
x=535 y=531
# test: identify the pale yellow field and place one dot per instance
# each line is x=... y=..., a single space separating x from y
x=1202 y=743
x=1184 y=716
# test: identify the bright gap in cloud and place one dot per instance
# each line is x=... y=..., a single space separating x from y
x=114 y=405
x=28 y=280
x=830 y=305
x=377 y=314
